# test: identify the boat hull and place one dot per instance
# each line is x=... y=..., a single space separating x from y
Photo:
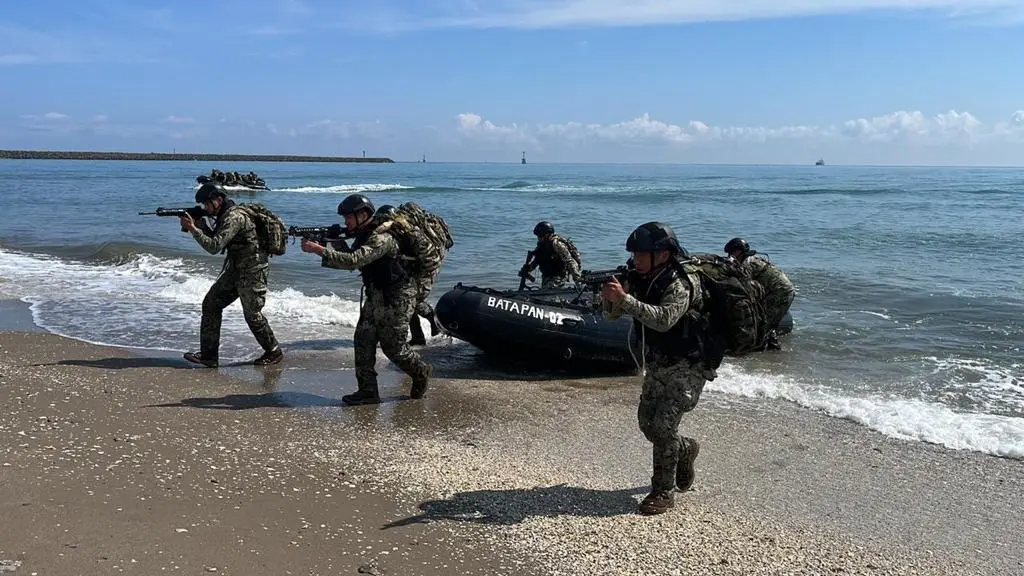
x=236 y=187
x=558 y=326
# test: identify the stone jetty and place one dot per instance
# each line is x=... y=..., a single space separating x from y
x=72 y=155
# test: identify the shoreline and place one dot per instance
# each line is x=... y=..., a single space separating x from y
x=542 y=477
x=164 y=156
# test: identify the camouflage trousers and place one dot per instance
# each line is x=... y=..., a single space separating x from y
x=385 y=321
x=775 y=307
x=248 y=284
x=423 y=286
x=668 y=392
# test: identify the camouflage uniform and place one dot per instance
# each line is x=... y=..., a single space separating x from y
x=425 y=267
x=424 y=282
x=560 y=252
x=384 y=317
x=243 y=277
x=671 y=386
x=778 y=290
x=423 y=285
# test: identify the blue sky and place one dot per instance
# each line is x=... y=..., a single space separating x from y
x=854 y=81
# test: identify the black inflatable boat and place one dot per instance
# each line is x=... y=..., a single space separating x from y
x=554 y=326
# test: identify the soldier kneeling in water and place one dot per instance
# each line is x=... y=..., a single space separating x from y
x=778 y=290
x=668 y=311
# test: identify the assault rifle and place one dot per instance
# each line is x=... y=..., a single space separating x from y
x=523 y=274
x=194 y=211
x=320 y=234
x=597 y=278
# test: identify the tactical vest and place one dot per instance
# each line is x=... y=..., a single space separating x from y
x=245 y=244
x=385 y=273
x=551 y=266
x=684 y=340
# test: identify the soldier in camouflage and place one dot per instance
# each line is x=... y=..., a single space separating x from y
x=425 y=273
x=243 y=277
x=390 y=299
x=667 y=306
x=553 y=257
x=778 y=290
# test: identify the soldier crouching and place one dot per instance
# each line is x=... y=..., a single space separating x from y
x=390 y=299
x=667 y=307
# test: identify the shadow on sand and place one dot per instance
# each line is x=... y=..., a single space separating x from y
x=507 y=507
x=472 y=364
x=250 y=401
x=266 y=400
x=126 y=363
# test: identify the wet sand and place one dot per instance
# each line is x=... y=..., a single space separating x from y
x=111 y=453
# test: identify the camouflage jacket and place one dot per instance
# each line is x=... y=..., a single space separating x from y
x=235 y=233
x=769 y=276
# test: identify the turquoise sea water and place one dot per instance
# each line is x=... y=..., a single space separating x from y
x=909 y=314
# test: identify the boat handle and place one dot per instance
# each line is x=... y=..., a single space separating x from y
x=570 y=321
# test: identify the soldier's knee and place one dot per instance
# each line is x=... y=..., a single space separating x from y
x=656 y=432
x=253 y=316
x=394 y=349
x=211 y=303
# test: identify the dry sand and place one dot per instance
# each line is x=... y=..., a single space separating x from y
x=152 y=467
x=92 y=481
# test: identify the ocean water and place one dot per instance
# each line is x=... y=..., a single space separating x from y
x=909 y=311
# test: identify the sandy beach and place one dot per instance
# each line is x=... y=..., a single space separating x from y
x=116 y=462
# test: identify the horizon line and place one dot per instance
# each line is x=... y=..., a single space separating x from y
x=190 y=156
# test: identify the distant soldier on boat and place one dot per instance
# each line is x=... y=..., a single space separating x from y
x=558 y=258
x=252 y=180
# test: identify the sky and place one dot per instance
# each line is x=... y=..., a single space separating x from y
x=687 y=81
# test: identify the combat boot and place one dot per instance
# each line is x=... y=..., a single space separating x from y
x=272 y=357
x=200 y=358
x=416 y=332
x=361 y=397
x=684 y=470
x=419 y=383
x=657 y=502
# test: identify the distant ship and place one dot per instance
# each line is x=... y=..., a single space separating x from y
x=820 y=162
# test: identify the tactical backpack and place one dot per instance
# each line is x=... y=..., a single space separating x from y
x=270 y=229
x=431 y=225
x=573 y=251
x=734 y=304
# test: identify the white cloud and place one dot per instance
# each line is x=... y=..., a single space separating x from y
x=619 y=13
x=172 y=119
x=341 y=130
x=897 y=138
x=912 y=127
x=474 y=126
x=48 y=117
x=915 y=126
